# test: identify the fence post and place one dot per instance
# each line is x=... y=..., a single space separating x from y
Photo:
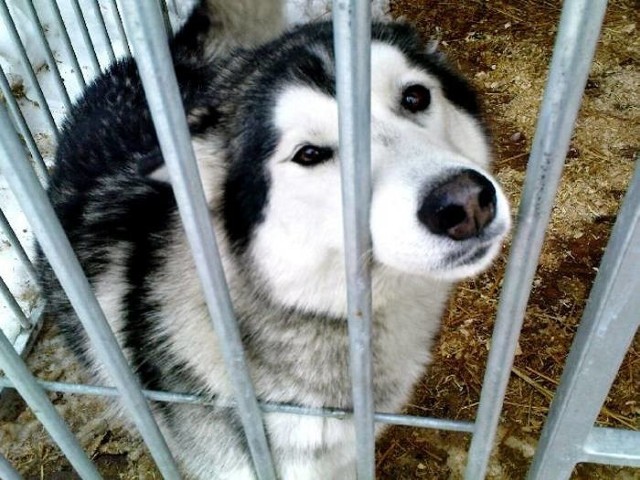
x=608 y=325
x=575 y=44
x=352 y=40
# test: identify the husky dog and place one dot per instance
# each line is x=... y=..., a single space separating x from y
x=263 y=120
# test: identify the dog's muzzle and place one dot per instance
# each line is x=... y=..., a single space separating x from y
x=461 y=207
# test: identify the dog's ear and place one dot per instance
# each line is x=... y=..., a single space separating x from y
x=151 y=166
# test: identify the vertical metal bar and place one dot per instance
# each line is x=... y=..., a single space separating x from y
x=5 y=227
x=149 y=41
x=51 y=61
x=120 y=26
x=103 y=30
x=86 y=38
x=574 y=47
x=7 y=472
x=165 y=17
x=48 y=231
x=6 y=18
x=20 y=122
x=352 y=38
x=610 y=320
x=66 y=42
x=15 y=369
x=13 y=305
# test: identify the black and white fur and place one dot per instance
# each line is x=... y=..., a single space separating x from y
x=253 y=110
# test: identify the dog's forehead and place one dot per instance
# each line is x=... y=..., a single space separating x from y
x=304 y=109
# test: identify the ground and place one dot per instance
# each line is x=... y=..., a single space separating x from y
x=504 y=47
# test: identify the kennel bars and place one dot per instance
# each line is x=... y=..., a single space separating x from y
x=572 y=55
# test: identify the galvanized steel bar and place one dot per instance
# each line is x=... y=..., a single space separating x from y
x=13 y=305
x=15 y=369
x=120 y=26
x=51 y=61
x=574 y=47
x=12 y=238
x=49 y=233
x=104 y=32
x=66 y=42
x=165 y=17
x=352 y=39
x=148 y=39
x=17 y=247
x=610 y=320
x=6 y=18
x=7 y=472
x=21 y=124
x=612 y=446
x=390 y=418
x=86 y=38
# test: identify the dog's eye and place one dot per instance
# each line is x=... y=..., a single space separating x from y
x=310 y=155
x=416 y=98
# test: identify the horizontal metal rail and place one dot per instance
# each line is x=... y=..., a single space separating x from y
x=611 y=446
x=340 y=414
x=577 y=36
x=149 y=41
x=49 y=233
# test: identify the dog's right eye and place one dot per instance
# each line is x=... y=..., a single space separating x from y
x=416 y=98
x=310 y=155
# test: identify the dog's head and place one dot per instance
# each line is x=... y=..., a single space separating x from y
x=435 y=210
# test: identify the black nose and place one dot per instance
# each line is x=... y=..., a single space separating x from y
x=461 y=207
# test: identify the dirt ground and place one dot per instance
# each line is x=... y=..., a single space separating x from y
x=505 y=48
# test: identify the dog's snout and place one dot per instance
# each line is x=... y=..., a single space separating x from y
x=461 y=207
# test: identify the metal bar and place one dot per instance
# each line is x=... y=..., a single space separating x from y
x=15 y=369
x=352 y=39
x=86 y=38
x=120 y=26
x=608 y=325
x=390 y=418
x=165 y=17
x=12 y=238
x=577 y=36
x=104 y=33
x=7 y=472
x=66 y=42
x=49 y=233
x=51 y=61
x=6 y=18
x=612 y=446
x=19 y=121
x=13 y=305
x=149 y=41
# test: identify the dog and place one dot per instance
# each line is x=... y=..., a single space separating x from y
x=262 y=113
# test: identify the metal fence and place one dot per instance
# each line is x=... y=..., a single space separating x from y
x=608 y=324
